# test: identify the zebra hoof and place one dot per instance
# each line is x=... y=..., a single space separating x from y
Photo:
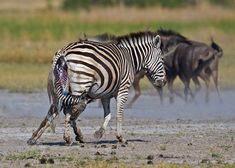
x=79 y=139
x=68 y=140
x=31 y=141
x=98 y=134
x=122 y=140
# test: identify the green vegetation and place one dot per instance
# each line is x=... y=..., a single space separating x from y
x=87 y=4
x=30 y=39
x=33 y=154
x=43 y=29
x=226 y=3
x=38 y=158
x=23 y=77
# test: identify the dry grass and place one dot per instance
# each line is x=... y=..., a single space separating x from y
x=36 y=158
x=28 y=5
x=31 y=35
x=202 y=12
x=24 y=77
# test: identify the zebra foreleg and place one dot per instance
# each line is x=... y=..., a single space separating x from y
x=121 y=100
x=52 y=113
x=107 y=116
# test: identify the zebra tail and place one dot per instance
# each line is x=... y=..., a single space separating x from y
x=60 y=85
x=50 y=90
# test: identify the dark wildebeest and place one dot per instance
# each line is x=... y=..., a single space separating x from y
x=210 y=71
x=186 y=59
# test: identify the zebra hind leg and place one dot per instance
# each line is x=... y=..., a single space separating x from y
x=52 y=113
x=76 y=129
x=107 y=116
x=71 y=114
x=67 y=134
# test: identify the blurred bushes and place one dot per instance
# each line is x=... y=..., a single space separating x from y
x=226 y=3
x=86 y=4
x=147 y=3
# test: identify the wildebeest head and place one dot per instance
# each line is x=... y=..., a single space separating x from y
x=170 y=39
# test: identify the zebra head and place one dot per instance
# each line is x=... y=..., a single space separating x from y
x=154 y=64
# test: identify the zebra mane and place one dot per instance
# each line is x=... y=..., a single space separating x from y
x=106 y=37
x=136 y=35
x=110 y=38
x=165 y=32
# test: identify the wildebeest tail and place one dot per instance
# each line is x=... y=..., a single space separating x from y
x=217 y=48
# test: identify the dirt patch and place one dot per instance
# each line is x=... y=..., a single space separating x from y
x=181 y=139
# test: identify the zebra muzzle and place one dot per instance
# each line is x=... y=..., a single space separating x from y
x=160 y=82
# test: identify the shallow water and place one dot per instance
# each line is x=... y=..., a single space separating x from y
x=146 y=107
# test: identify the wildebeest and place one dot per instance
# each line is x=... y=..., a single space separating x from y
x=187 y=59
x=210 y=71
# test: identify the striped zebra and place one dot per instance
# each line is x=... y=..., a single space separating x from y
x=87 y=70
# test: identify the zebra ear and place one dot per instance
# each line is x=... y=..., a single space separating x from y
x=157 y=41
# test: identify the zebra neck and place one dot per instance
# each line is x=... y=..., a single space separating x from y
x=136 y=55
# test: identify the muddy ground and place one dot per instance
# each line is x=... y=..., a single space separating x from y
x=191 y=133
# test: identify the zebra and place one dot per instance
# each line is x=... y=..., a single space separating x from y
x=86 y=70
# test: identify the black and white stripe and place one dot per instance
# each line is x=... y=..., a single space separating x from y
x=105 y=70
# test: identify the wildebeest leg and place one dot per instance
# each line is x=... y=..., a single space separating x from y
x=170 y=88
x=215 y=79
x=187 y=89
x=206 y=78
x=136 y=86
x=107 y=116
x=207 y=82
x=197 y=84
x=160 y=91
x=52 y=113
